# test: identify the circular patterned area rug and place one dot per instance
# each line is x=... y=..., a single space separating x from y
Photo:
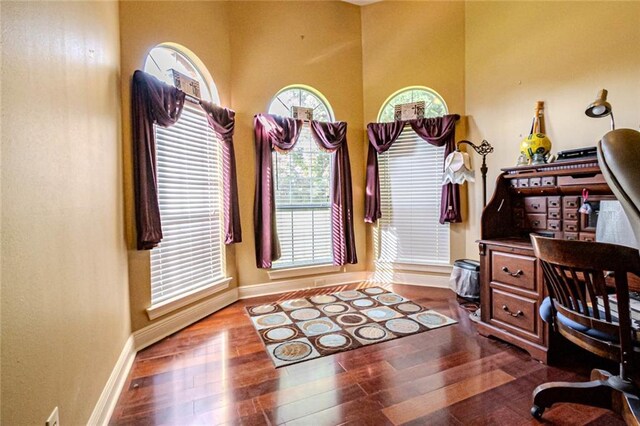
x=351 y=319
x=334 y=308
x=373 y=290
x=262 y=309
x=323 y=298
x=304 y=314
x=431 y=318
x=370 y=332
x=279 y=334
x=402 y=325
x=292 y=351
x=333 y=341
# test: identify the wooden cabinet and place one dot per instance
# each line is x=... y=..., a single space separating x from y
x=542 y=199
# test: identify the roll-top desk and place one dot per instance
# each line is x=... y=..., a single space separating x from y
x=543 y=199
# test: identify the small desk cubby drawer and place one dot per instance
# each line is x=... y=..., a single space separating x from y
x=537 y=221
x=571 y=202
x=535 y=204
x=571 y=226
x=571 y=215
x=549 y=181
x=555 y=202
x=514 y=269
x=554 y=213
x=514 y=310
x=554 y=225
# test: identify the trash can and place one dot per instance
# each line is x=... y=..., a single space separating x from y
x=465 y=279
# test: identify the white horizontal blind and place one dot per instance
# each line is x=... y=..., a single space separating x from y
x=411 y=174
x=191 y=254
x=303 y=210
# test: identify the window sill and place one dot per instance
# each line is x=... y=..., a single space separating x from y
x=415 y=267
x=167 y=306
x=277 y=274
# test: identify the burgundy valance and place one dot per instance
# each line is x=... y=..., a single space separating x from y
x=274 y=132
x=438 y=131
x=155 y=102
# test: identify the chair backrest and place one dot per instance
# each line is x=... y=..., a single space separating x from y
x=575 y=277
x=619 y=159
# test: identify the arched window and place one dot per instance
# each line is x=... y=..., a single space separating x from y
x=190 y=258
x=303 y=185
x=411 y=176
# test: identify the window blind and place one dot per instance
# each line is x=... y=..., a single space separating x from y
x=303 y=209
x=411 y=174
x=191 y=254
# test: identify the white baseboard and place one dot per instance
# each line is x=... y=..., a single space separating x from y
x=275 y=287
x=422 y=280
x=167 y=326
x=109 y=397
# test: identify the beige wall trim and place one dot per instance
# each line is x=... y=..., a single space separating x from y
x=423 y=280
x=164 y=327
x=278 y=274
x=246 y=292
x=161 y=309
x=107 y=402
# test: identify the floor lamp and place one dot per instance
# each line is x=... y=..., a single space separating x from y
x=457 y=167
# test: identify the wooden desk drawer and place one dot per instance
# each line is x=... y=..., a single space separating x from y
x=518 y=311
x=555 y=213
x=583 y=180
x=587 y=236
x=535 y=204
x=571 y=226
x=535 y=182
x=570 y=203
x=554 y=225
x=537 y=221
x=549 y=181
x=514 y=269
x=571 y=215
x=555 y=202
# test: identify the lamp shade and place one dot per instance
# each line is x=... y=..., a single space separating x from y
x=600 y=107
x=457 y=168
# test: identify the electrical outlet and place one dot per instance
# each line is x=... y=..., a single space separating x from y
x=54 y=419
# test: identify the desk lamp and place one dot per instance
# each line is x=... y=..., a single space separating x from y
x=601 y=108
x=457 y=168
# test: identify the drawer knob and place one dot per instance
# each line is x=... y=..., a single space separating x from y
x=516 y=315
x=513 y=274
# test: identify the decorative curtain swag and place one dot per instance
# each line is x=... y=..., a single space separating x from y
x=438 y=131
x=273 y=132
x=155 y=102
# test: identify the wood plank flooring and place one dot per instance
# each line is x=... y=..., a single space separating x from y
x=217 y=372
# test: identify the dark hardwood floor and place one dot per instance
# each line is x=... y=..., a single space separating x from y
x=217 y=372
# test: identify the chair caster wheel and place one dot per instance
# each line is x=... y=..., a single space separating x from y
x=536 y=412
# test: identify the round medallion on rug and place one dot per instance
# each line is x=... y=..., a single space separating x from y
x=262 y=309
x=363 y=303
x=349 y=294
x=292 y=351
x=370 y=332
x=402 y=325
x=304 y=314
x=389 y=298
x=272 y=320
x=351 y=319
x=279 y=334
x=381 y=313
x=334 y=308
x=373 y=290
x=408 y=308
x=333 y=341
x=431 y=318
x=295 y=304
x=323 y=298
x=318 y=326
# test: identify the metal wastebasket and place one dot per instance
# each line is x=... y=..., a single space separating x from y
x=465 y=279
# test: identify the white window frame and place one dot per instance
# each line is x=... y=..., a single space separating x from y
x=441 y=261
x=283 y=268
x=192 y=151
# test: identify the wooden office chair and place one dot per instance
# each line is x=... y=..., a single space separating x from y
x=578 y=307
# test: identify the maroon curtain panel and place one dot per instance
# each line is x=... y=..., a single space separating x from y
x=153 y=102
x=332 y=137
x=222 y=121
x=441 y=131
x=271 y=132
x=438 y=131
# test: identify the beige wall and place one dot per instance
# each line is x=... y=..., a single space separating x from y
x=144 y=25
x=558 y=52
x=276 y=44
x=65 y=315
x=414 y=44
